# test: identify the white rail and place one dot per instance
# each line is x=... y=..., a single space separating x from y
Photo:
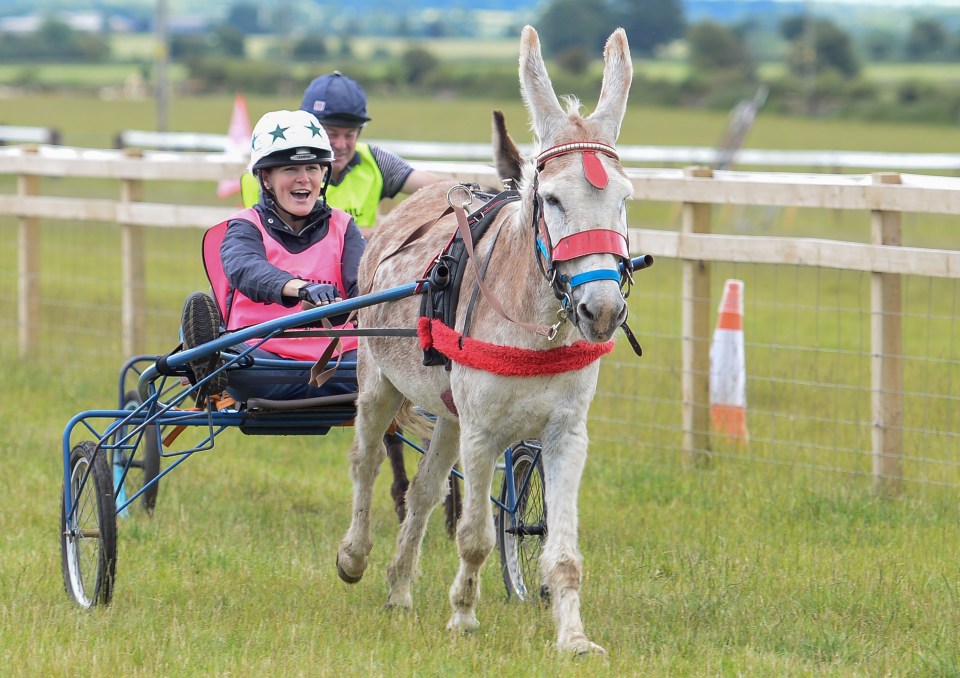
x=27 y=135
x=823 y=160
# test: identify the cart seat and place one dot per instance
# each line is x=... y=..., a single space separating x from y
x=262 y=405
x=304 y=416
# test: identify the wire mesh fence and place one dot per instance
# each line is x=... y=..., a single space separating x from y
x=809 y=330
x=808 y=372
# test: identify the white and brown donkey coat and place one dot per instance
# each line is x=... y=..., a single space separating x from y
x=574 y=195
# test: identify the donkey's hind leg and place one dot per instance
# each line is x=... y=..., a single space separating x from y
x=377 y=405
x=425 y=492
x=398 y=490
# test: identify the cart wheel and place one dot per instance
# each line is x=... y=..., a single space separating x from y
x=520 y=536
x=88 y=540
x=145 y=465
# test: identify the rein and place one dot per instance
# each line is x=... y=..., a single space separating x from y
x=547 y=331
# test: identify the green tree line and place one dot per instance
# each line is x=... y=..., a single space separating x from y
x=822 y=62
x=54 y=41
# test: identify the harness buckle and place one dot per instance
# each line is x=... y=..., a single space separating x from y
x=627 y=281
x=468 y=199
x=562 y=315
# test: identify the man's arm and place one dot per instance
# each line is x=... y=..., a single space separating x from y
x=398 y=175
x=418 y=179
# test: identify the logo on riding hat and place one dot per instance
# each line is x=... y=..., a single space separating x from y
x=303 y=154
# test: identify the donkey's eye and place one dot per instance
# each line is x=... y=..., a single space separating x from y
x=553 y=201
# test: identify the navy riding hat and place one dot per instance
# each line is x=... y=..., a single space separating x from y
x=336 y=100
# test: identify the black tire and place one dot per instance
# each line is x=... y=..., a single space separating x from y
x=145 y=465
x=200 y=324
x=520 y=536
x=88 y=541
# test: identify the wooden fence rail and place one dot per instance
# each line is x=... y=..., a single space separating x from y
x=884 y=196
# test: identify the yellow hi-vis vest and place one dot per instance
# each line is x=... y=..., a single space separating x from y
x=358 y=194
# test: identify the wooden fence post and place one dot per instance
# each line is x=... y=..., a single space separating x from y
x=886 y=338
x=695 y=333
x=132 y=274
x=28 y=267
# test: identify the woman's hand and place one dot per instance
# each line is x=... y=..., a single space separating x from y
x=319 y=294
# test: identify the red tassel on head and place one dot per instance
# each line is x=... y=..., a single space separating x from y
x=593 y=170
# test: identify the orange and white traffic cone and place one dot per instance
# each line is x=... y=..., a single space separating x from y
x=238 y=143
x=728 y=371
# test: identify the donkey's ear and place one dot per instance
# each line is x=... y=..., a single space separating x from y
x=536 y=88
x=506 y=155
x=617 y=76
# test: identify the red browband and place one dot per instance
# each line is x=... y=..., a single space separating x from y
x=576 y=147
x=593 y=170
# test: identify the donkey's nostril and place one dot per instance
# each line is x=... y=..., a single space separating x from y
x=622 y=315
x=584 y=312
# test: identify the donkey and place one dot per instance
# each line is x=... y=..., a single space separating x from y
x=556 y=261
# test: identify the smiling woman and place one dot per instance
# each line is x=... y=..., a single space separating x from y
x=288 y=252
x=292 y=159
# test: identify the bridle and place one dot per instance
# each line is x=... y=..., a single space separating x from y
x=574 y=246
x=582 y=243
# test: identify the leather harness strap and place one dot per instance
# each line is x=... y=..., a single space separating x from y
x=416 y=234
x=488 y=294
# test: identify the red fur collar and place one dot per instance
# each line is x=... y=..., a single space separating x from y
x=507 y=360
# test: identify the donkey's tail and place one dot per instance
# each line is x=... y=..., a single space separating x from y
x=414 y=420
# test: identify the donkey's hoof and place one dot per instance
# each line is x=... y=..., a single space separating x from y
x=581 y=647
x=399 y=597
x=346 y=576
x=463 y=622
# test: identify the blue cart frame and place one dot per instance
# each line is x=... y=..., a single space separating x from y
x=97 y=478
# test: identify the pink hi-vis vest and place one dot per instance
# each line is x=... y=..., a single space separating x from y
x=318 y=263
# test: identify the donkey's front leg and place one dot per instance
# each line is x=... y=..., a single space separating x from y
x=425 y=492
x=564 y=456
x=375 y=410
x=475 y=533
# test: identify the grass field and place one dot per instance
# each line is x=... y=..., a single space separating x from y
x=759 y=565
x=740 y=570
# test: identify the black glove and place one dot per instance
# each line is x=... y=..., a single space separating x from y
x=318 y=294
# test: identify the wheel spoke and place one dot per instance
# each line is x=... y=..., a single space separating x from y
x=522 y=531
x=88 y=539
